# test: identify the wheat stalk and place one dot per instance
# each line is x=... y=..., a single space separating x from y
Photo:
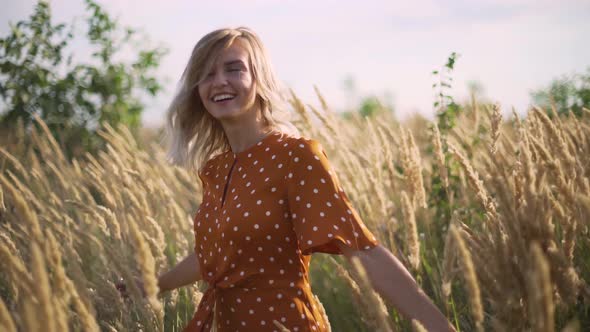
x=470 y=278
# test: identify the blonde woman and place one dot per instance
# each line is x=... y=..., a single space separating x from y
x=270 y=200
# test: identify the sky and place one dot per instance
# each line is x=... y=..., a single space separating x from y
x=388 y=48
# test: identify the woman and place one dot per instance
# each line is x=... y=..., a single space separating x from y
x=270 y=200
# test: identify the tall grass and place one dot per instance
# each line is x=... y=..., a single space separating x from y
x=490 y=217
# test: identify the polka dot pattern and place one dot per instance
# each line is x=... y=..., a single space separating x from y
x=264 y=211
x=324 y=214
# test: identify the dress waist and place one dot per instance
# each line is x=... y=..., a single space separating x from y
x=203 y=320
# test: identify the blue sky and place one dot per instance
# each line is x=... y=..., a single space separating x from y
x=389 y=47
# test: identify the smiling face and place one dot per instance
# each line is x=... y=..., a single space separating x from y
x=228 y=89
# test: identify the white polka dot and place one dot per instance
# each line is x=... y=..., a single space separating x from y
x=268 y=213
x=246 y=214
x=273 y=189
x=309 y=167
x=290 y=175
x=279 y=296
x=309 y=242
x=315 y=190
x=322 y=214
x=296 y=159
x=236 y=228
x=308 y=205
x=261 y=271
x=256 y=226
x=261 y=169
x=277 y=226
x=302 y=182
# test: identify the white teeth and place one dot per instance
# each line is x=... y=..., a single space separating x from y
x=223 y=96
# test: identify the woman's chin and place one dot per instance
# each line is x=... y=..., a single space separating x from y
x=228 y=114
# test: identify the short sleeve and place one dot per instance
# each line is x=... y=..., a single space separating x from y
x=321 y=213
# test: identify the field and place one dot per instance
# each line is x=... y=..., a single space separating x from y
x=490 y=216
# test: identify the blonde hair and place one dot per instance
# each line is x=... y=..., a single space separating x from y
x=193 y=135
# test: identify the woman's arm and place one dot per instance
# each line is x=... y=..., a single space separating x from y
x=395 y=284
x=186 y=272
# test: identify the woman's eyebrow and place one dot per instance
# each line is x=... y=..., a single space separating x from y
x=233 y=62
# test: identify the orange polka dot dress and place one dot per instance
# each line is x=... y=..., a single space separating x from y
x=264 y=211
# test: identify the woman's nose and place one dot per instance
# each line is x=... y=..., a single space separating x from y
x=219 y=79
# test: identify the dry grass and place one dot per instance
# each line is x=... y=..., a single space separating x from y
x=518 y=260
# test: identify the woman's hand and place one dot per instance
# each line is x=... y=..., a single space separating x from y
x=184 y=273
x=122 y=287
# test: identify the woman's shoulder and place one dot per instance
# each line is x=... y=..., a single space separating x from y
x=300 y=141
x=300 y=147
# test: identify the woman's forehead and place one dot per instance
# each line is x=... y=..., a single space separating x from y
x=237 y=51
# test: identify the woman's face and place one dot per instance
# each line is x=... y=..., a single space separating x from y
x=229 y=89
